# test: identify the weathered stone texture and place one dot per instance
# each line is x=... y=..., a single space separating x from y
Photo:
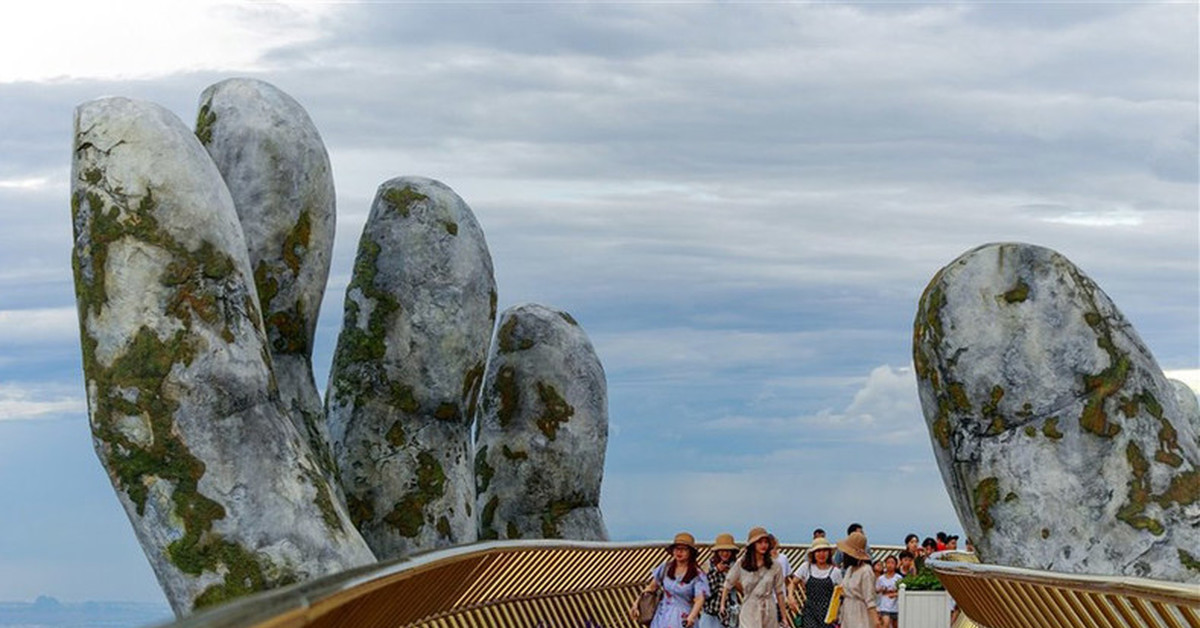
x=542 y=430
x=419 y=312
x=277 y=170
x=1061 y=443
x=185 y=416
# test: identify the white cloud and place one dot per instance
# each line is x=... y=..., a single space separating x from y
x=884 y=410
x=33 y=326
x=1111 y=218
x=34 y=401
x=140 y=39
x=28 y=183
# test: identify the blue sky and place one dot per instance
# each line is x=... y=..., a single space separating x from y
x=740 y=202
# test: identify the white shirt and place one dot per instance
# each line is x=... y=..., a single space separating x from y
x=807 y=570
x=885 y=603
x=783 y=564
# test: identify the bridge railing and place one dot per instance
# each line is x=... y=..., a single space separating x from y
x=511 y=584
x=1007 y=597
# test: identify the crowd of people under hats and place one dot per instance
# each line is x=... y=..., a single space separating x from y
x=751 y=590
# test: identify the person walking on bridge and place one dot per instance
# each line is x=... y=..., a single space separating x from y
x=684 y=586
x=818 y=576
x=724 y=553
x=761 y=580
x=858 y=584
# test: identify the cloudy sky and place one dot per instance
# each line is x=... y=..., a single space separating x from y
x=740 y=202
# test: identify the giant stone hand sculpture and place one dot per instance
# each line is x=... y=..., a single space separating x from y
x=1060 y=441
x=198 y=279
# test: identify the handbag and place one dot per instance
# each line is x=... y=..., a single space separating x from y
x=647 y=604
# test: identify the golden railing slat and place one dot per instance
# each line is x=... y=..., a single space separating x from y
x=1040 y=599
x=1191 y=616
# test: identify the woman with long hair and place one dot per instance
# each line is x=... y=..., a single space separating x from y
x=724 y=552
x=858 y=583
x=762 y=583
x=818 y=576
x=684 y=586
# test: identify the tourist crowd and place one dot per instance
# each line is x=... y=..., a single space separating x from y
x=752 y=588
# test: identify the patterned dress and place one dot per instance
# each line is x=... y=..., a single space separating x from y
x=711 y=617
x=759 y=606
x=678 y=597
x=818 y=589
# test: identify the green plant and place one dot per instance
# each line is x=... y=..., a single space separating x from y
x=923 y=580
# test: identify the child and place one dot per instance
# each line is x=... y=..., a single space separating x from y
x=887 y=586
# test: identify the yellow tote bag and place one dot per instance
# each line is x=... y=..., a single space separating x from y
x=835 y=603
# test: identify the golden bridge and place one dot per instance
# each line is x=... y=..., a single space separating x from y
x=566 y=584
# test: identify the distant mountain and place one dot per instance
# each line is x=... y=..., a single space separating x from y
x=47 y=612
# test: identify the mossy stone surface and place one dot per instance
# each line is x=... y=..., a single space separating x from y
x=542 y=431
x=1030 y=377
x=275 y=165
x=408 y=367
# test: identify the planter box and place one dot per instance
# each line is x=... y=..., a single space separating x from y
x=924 y=609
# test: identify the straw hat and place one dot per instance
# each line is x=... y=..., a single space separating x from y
x=686 y=540
x=855 y=545
x=724 y=541
x=819 y=543
x=756 y=534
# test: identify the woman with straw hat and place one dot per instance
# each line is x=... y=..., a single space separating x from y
x=684 y=586
x=761 y=581
x=724 y=552
x=818 y=576
x=858 y=583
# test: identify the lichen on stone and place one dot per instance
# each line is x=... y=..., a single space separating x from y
x=447 y=411
x=1139 y=495
x=395 y=435
x=205 y=120
x=1107 y=383
x=556 y=511
x=514 y=455
x=483 y=471
x=991 y=412
x=555 y=410
x=1050 y=429
x=509 y=342
x=506 y=388
x=986 y=495
x=1018 y=293
x=1188 y=561
x=401 y=199
x=487 y=518
x=361 y=508
x=297 y=241
x=408 y=515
